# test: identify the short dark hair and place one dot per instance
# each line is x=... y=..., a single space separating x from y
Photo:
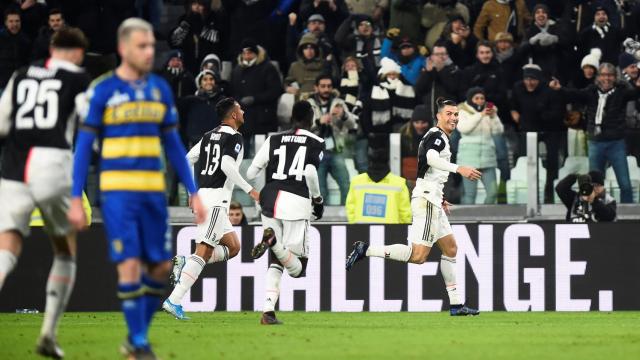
x=10 y=11
x=442 y=102
x=302 y=114
x=55 y=11
x=69 y=38
x=224 y=106
x=323 y=77
x=485 y=43
x=234 y=205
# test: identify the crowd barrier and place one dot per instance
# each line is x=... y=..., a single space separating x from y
x=544 y=266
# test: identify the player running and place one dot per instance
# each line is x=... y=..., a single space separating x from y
x=291 y=159
x=131 y=112
x=38 y=114
x=217 y=157
x=430 y=224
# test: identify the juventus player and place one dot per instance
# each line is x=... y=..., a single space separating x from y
x=430 y=224
x=216 y=157
x=291 y=159
x=38 y=115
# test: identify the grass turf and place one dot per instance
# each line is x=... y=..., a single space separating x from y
x=225 y=335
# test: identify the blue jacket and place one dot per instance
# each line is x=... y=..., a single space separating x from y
x=411 y=70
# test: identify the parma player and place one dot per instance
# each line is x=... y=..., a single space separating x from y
x=291 y=194
x=38 y=115
x=217 y=157
x=132 y=114
x=430 y=223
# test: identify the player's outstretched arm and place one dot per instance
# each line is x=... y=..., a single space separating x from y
x=228 y=167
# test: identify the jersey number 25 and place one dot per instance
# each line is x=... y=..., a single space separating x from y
x=32 y=96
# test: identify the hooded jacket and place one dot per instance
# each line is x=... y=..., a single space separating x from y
x=494 y=18
x=261 y=81
x=303 y=72
x=339 y=129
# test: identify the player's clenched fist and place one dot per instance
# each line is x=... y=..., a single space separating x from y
x=469 y=172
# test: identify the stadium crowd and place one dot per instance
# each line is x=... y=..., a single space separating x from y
x=567 y=70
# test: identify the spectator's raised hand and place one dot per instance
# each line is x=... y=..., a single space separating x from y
x=393 y=32
x=293 y=17
x=555 y=84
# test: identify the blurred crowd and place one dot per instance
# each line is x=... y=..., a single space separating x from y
x=564 y=69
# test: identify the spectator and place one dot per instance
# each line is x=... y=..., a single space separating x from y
x=591 y=203
x=404 y=52
x=589 y=66
x=378 y=196
x=460 y=42
x=199 y=32
x=535 y=108
x=436 y=14
x=236 y=215
x=181 y=80
x=316 y=26
x=354 y=85
x=357 y=37
x=509 y=58
x=41 y=44
x=485 y=73
x=440 y=79
x=332 y=122
x=14 y=46
x=606 y=102
x=212 y=62
x=478 y=124
x=198 y=112
x=33 y=14
x=602 y=35
x=333 y=11
x=310 y=64
x=391 y=101
x=373 y=8
x=406 y=16
x=501 y=15
x=411 y=134
x=256 y=83
x=629 y=69
x=545 y=41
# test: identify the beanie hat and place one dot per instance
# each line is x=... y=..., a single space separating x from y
x=388 y=66
x=625 y=59
x=249 y=44
x=596 y=177
x=211 y=59
x=592 y=59
x=532 y=71
x=473 y=91
x=202 y=74
x=420 y=113
x=544 y=7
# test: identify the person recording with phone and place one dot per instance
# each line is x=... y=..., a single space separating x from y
x=591 y=203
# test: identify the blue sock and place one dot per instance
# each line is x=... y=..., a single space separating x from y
x=153 y=293
x=134 y=313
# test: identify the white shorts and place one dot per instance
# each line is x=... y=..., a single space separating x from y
x=430 y=223
x=217 y=225
x=294 y=234
x=18 y=200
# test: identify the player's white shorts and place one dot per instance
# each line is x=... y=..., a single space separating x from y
x=430 y=223
x=47 y=186
x=294 y=234
x=217 y=224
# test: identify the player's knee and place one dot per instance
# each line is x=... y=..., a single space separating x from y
x=303 y=272
x=451 y=250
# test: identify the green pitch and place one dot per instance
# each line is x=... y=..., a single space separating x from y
x=393 y=336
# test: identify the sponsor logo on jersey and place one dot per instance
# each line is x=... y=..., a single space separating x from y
x=118 y=98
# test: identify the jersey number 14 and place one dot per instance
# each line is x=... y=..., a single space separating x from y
x=297 y=165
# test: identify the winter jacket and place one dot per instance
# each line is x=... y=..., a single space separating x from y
x=540 y=110
x=462 y=54
x=410 y=68
x=608 y=42
x=494 y=18
x=383 y=202
x=436 y=17
x=487 y=76
x=545 y=46
x=198 y=115
x=303 y=72
x=405 y=15
x=351 y=43
x=197 y=37
x=433 y=84
x=389 y=104
x=476 y=143
x=14 y=53
x=613 y=123
x=339 y=129
x=261 y=82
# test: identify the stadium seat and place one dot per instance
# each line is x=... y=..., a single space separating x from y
x=572 y=165
x=611 y=182
x=517 y=186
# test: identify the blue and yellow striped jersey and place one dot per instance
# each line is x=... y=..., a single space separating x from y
x=129 y=118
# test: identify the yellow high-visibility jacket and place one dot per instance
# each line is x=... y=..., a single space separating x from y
x=385 y=202
x=36 y=217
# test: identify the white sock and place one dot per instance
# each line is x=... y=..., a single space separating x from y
x=290 y=261
x=220 y=253
x=448 y=270
x=397 y=252
x=7 y=262
x=274 y=274
x=59 y=287
x=188 y=277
